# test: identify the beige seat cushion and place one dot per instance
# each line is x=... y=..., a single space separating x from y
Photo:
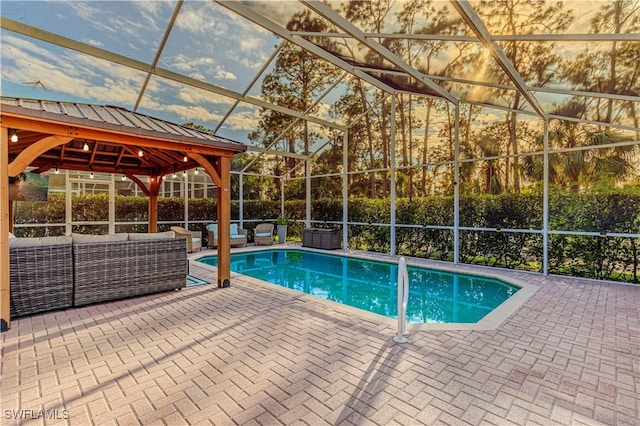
x=137 y=236
x=39 y=241
x=89 y=238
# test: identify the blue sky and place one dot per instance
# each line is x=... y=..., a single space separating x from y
x=207 y=43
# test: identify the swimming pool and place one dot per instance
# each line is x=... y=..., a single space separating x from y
x=434 y=296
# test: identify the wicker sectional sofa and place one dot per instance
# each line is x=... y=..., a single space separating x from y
x=121 y=267
x=84 y=269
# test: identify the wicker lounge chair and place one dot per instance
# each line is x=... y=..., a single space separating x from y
x=237 y=235
x=194 y=238
x=263 y=234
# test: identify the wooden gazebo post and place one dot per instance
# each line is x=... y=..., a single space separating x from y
x=5 y=307
x=155 y=183
x=224 y=222
x=220 y=173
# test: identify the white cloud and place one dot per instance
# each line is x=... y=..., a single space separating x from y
x=186 y=63
x=222 y=74
x=251 y=43
x=243 y=120
x=201 y=21
x=193 y=113
x=96 y=43
x=225 y=34
x=322 y=111
x=153 y=8
x=116 y=20
x=197 y=76
x=200 y=106
x=195 y=96
x=197 y=68
x=69 y=72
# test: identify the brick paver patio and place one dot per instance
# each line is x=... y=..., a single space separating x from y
x=255 y=354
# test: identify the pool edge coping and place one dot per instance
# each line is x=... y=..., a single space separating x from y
x=491 y=321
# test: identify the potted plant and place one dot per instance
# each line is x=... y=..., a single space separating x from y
x=281 y=224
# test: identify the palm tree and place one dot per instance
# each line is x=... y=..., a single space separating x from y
x=576 y=167
x=490 y=176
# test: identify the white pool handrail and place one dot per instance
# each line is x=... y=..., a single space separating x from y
x=403 y=299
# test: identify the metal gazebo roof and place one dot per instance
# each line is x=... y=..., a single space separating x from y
x=159 y=147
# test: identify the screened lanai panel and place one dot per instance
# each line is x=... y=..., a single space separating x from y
x=241 y=123
x=326 y=159
x=319 y=139
x=35 y=69
x=212 y=44
x=487 y=133
x=246 y=162
x=511 y=192
x=403 y=82
x=426 y=120
x=357 y=100
x=623 y=114
x=460 y=60
x=324 y=188
x=132 y=28
x=273 y=131
x=365 y=154
x=300 y=80
x=184 y=103
x=402 y=16
x=425 y=181
x=328 y=103
x=416 y=150
x=464 y=60
x=599 y=213
x=285 y=11
x=266 y=164
x=254 y=88
x=590 y=66
x=369 y=185
x=257 y=190
x=569 y=16
x=422 y=132
x=352 y=51
x=592 y=190
x=24 y=211
x=514 y=17
x=497 y=96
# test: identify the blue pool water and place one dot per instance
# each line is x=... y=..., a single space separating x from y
x=434 y=296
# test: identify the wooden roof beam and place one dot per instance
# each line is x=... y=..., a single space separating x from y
x=120 y=138
x=92 y=157
x=120 y=155
x=33 y=151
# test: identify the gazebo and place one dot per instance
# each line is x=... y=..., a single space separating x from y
x=47 y=135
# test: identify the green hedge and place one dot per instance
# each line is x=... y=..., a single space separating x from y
x=602 y=257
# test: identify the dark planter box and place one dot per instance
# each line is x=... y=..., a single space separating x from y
x=328 y=239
